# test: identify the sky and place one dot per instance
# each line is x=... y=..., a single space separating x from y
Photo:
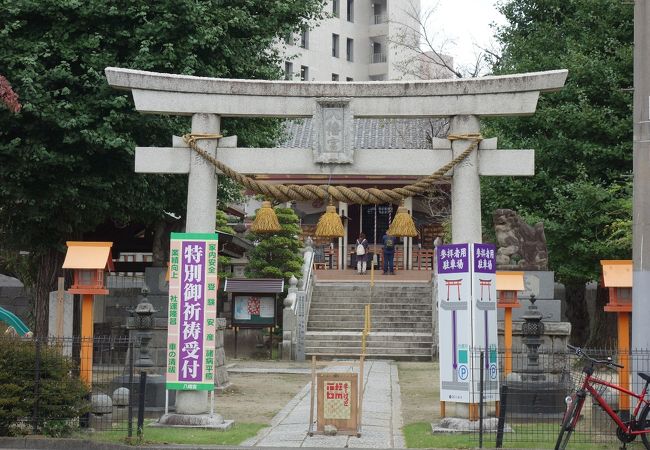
x=458 y=24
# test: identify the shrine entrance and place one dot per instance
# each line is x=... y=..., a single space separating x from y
x=460 y=158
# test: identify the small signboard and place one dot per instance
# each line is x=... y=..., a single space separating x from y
x=337 y=402
x=251 y=310
x=254 y=301
x=191 y=331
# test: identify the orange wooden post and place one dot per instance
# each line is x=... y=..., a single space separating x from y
x=507 y=339
x=617 y=277
x=624 y=358
x=86 y=356
x=90 y=260
x=508 y=284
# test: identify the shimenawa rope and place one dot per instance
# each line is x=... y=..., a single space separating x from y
x=283 y=193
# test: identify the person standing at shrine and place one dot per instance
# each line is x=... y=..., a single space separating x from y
x=361 y=251
x=389 y=253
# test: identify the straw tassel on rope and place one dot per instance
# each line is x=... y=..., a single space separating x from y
x=402 y=225
x=266 y=221
x=329 y=224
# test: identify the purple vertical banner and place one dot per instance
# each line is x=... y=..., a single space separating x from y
x=192 y=305
x=484 y=258
x=453 y=258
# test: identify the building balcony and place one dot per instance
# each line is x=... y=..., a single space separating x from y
x=378 y=58
x=378 y=29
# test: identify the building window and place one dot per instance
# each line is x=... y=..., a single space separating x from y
x=288 y=70
x=335 y=45
x=288 y=39
x=350 y=10
x=304 y=73
x=335 y=8
x=349 y=49
x=304 y=38
x=335 y=77
x=349 y=79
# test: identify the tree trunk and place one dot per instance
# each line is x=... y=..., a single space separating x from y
x=48 y=269
x=161 y=234
x=576 y=311
x=603 y=333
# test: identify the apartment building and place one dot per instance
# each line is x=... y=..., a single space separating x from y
x=356 y=43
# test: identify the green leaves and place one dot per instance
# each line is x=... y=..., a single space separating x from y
x=277 y=255
x=66 y=160
x=582 y=134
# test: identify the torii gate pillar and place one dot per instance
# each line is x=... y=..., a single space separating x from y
x=201 y=218
x=465 y=184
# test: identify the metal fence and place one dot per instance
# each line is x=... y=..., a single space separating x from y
x=46 y=391
x=527 y=404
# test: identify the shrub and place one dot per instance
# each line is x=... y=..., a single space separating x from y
x=62 y=397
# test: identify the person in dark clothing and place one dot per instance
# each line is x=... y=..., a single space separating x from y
x=389 y=253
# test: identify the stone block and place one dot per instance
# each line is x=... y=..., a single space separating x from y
x=539 y=283
x=218 y=340
x=65 y=318
x=220 y=356
x=101 y=422
x=101 y=404
x=121 y=396
x=192 y=402
x=155 y=279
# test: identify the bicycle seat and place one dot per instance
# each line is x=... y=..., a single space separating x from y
x=645 y=376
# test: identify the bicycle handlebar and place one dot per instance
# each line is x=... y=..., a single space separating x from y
x=606 y=362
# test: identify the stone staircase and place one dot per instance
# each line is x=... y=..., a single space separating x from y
x=401 y=319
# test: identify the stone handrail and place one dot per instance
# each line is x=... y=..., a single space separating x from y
x=296 y=311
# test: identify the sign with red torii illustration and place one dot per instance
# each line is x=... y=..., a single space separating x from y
x=466 y=281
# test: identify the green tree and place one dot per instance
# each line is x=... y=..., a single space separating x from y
x=277 y=255
x=66 y=159
x=582 y=135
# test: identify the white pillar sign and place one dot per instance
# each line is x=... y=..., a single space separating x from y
x=454 y=322
x=484 y=319
x=467 y=321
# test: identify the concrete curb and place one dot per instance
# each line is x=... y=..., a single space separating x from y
x=397 y=422
x=41 y=443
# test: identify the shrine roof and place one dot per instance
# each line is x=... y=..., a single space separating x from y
x=510 y=281
x=372 y=133
x=617 y=273
x=88 y=255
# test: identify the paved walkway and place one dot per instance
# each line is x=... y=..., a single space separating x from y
x=381 y=416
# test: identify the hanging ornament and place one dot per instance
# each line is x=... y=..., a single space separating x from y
x=402 y=225
x=329 y=224
x=266 y=221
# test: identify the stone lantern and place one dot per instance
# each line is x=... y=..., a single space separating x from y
x=142 y=321
x=532 y=331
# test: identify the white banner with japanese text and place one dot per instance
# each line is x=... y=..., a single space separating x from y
x=191 y=332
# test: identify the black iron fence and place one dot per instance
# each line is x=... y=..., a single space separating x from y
x=524 y=401
x=47 y=390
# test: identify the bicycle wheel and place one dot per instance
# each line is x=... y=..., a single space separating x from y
x=568 y=423
x=644 y=424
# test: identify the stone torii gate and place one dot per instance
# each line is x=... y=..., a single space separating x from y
x=333 y=107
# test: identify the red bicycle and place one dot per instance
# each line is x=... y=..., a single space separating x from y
x=627 y=431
